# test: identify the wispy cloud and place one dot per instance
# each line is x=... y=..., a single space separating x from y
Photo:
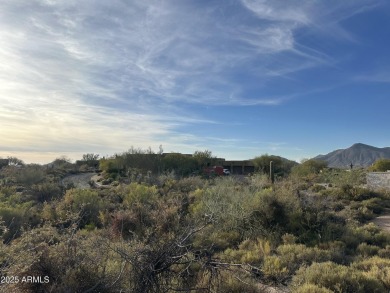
x=379 y=77
x=77 y=75
x=294 y=12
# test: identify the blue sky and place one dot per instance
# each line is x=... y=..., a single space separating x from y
x=294 y=78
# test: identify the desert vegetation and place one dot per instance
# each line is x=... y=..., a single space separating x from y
x=161 y=227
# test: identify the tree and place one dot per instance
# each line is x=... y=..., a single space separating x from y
x=62 y=162
x=90 y=157
x=281 y=166
x=3 y=163
x=309 y=167
x=381 y=165
x=204 y=158
x=179 y=163
x=315 y=165
x=14 y=161
x=91 y=160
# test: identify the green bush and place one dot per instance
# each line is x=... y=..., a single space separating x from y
x=12 y=221
x=381 y=165
x=135 y=222
x=230 y=206
x=318 y=188
x=369 y=233
x=87 y=203
x=375 y=267
x=46 y=191
x=136 y=193
x=73 y=262
x=228 y=283
x=293 y=256
x=353 y=192
x=249 y=252
x=30 y=174
x=385 y=252
x=311 y=288
x=366 y=250
x=309 y=168
x=274 y=269
x=337 y=278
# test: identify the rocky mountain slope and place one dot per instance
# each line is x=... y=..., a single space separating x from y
x=359 y=154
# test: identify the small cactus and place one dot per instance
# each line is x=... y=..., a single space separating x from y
x=271 y=171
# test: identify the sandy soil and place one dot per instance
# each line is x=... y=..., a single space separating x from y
x=383 y=221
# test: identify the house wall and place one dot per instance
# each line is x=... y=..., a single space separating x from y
x=378 y=180
x=3 y=163
x=239 y=167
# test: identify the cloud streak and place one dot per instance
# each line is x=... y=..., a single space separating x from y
x=77 y=76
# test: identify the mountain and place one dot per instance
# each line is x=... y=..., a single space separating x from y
x=359 y=154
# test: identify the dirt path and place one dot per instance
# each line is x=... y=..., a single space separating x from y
x=383 y=221
x=79 y=180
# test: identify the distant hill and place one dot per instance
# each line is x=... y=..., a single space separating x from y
x=359 y=154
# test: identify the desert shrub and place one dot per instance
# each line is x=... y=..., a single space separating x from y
x=189 y=184
x=147 y=214
x=251 y=210
x=355 y=177
x=216 y=239
x=365 y=210
x=366 y=250
x=269 y=215
x=377 y=268
x=228 y=282
x=337 y=250
x=49 y=212
x=30 y=174
x=12 y=221
x=290 y=257
x=308 y=169
x=249 y=252
x=337 y=278
x=273 y=214
x=375 y=204
x=6 y=192
x=13 y=196
x=260 y=181
x=333 y=230
x=369 y=233
x=293 y=256
x=282 y=167
x=85 y=202
x=311 y=288
x=354 y=192
x=71 y=261
x=46 y=191
x=168 y=263
x=360 y=212
x=136 y=193
x=111 y=165
x=227 y=204
x=317 y=188
x=385 y=252
x=274 y=269
x=317 y=222
x=289 y=239
x=124 y=224
x=381 y=165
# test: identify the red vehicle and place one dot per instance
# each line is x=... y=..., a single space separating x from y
x=214 y=171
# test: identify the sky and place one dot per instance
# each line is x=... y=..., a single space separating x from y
x=242 y=78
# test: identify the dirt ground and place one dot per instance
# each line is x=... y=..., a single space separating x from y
x=383 y=221
x=79 y=180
